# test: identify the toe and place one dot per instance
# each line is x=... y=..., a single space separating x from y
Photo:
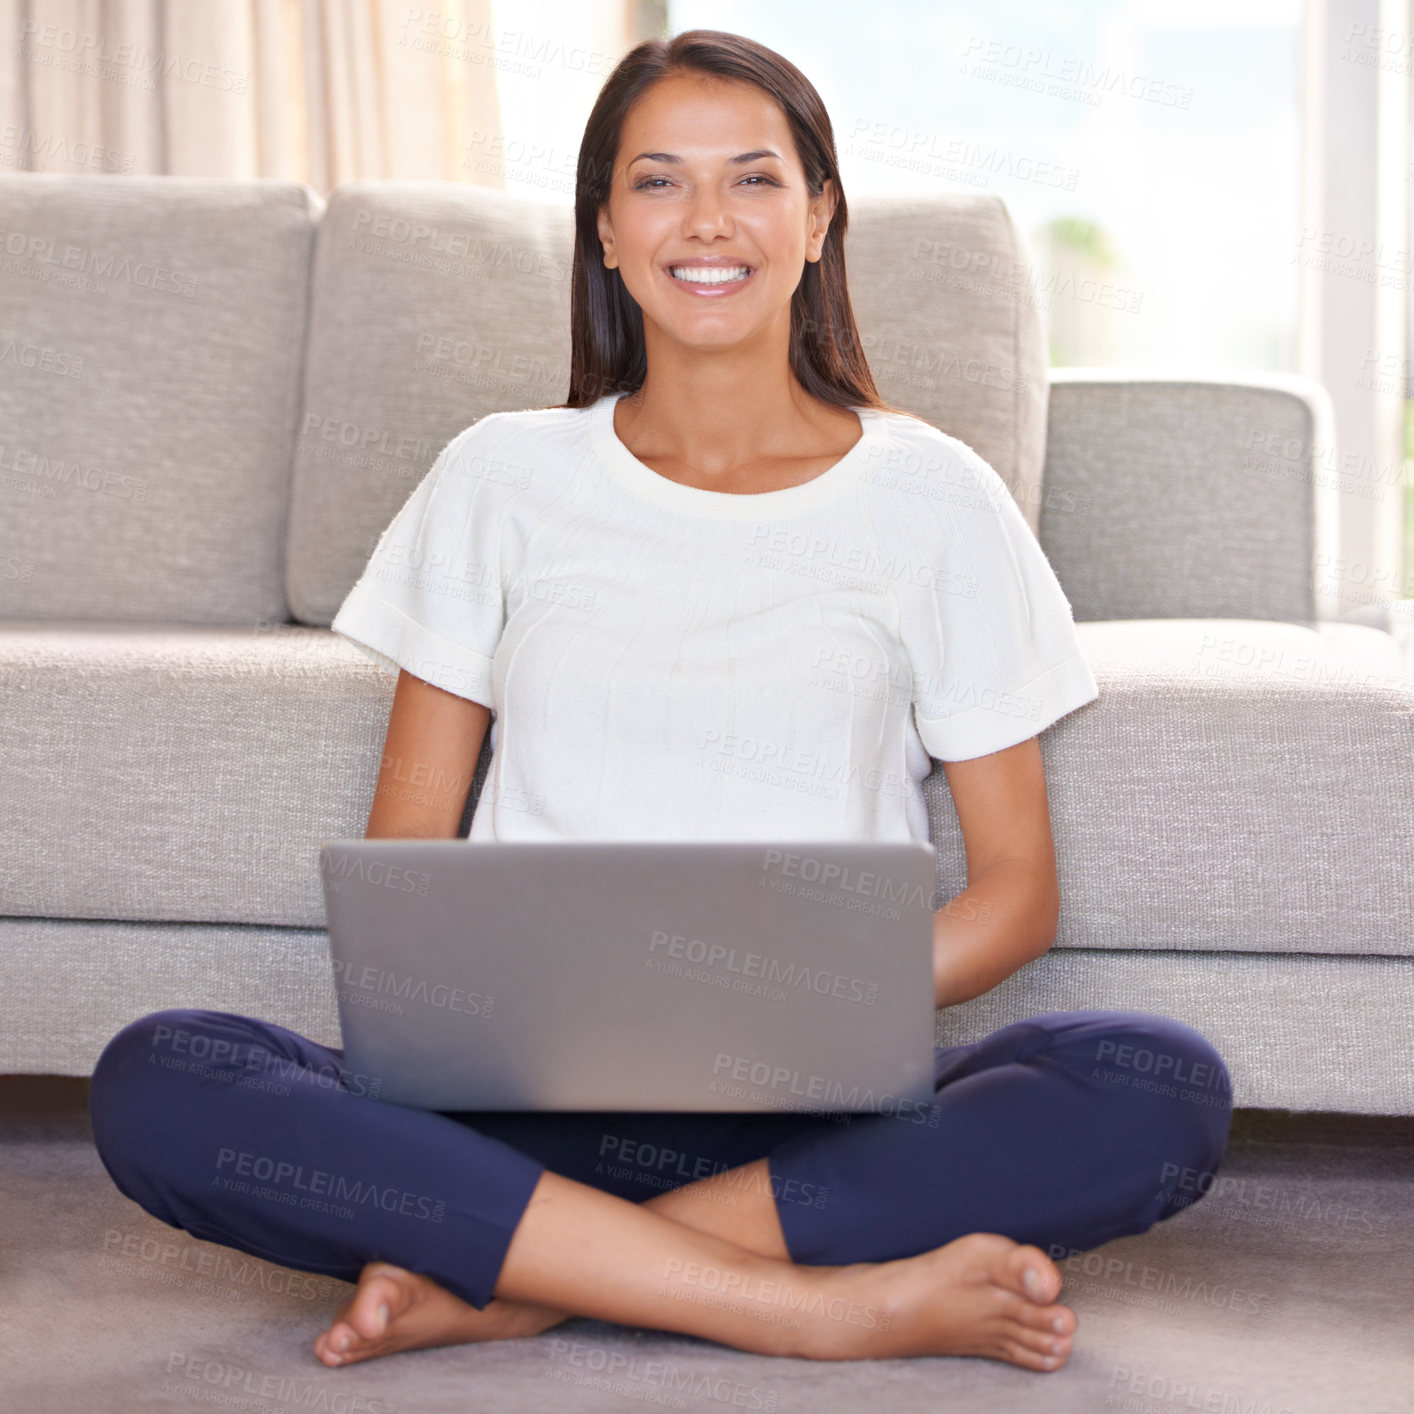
x=1027 y=1358
x=370 y=1317
x=339 y=1336
x=1038 y=1341
x=1034 y=1274
x=380 y=1298
x=1053 y=1320
x=329 y=1346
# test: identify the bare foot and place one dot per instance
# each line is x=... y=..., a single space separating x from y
x=970 y=1297
x=394 y=1310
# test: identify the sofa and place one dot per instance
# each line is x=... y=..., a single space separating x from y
x=215 y=394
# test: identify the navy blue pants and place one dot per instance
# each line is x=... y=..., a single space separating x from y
x=1064 y=1130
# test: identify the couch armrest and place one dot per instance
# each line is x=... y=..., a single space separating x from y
x=1393 y=616
x=1188 y=497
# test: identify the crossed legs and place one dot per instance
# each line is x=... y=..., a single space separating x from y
x=909 y=1253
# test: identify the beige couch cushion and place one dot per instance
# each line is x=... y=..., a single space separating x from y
x=189 y=775
x=148 y=414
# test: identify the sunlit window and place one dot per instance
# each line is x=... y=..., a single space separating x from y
x=1149 y=150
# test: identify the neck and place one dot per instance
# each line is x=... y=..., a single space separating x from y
x=720 y=410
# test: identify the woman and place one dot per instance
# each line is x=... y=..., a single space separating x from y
x=632 y=579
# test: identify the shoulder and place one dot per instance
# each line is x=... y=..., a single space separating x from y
x=913 y=456
x=514 y=449
x=525 y=430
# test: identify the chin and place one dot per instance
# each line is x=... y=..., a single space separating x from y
x=723 y=333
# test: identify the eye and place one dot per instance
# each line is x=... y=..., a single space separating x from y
x=763 y=178
x=644 y=183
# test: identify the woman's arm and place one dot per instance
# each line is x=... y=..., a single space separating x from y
x=1007 y=914
x=429 y=756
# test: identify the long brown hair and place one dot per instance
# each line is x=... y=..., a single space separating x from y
x=607 y=350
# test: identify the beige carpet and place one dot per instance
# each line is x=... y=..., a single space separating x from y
x=1291 y=1291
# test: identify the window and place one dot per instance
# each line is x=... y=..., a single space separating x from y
x=1149 y=150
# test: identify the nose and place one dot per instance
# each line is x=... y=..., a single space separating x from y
x=708 y=213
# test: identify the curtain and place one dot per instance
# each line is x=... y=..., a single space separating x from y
x=318 y=91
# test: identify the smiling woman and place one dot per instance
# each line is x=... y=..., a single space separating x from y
x=711 y=247
x=693 y=167
x=765 y=639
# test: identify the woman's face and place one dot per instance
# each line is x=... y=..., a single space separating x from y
x=706 y=179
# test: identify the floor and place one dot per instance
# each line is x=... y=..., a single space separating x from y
x=1289 y=1289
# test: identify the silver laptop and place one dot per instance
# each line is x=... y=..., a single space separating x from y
x=604 y=975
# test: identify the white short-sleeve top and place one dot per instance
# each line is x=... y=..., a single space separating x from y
x=667 y=662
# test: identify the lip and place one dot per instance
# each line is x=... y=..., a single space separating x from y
x=707 y=291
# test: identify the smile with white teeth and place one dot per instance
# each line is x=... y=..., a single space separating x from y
x=708 y=274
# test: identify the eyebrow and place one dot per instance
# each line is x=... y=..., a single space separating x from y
x=672 y=157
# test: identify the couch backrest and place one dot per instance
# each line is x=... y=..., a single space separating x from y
x=951 y=328
x=434 y=304
x=151 y=339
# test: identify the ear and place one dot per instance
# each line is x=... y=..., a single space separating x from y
x=606 y=237
x=822 y=210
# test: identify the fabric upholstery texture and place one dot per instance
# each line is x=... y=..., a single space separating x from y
x=431 y=305
x=147 y=422
x=189 y=775
x=934 y=287
x=1186 y=499
x=1297 y=1031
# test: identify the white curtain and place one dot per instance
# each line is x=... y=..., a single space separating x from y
x=318 y=91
